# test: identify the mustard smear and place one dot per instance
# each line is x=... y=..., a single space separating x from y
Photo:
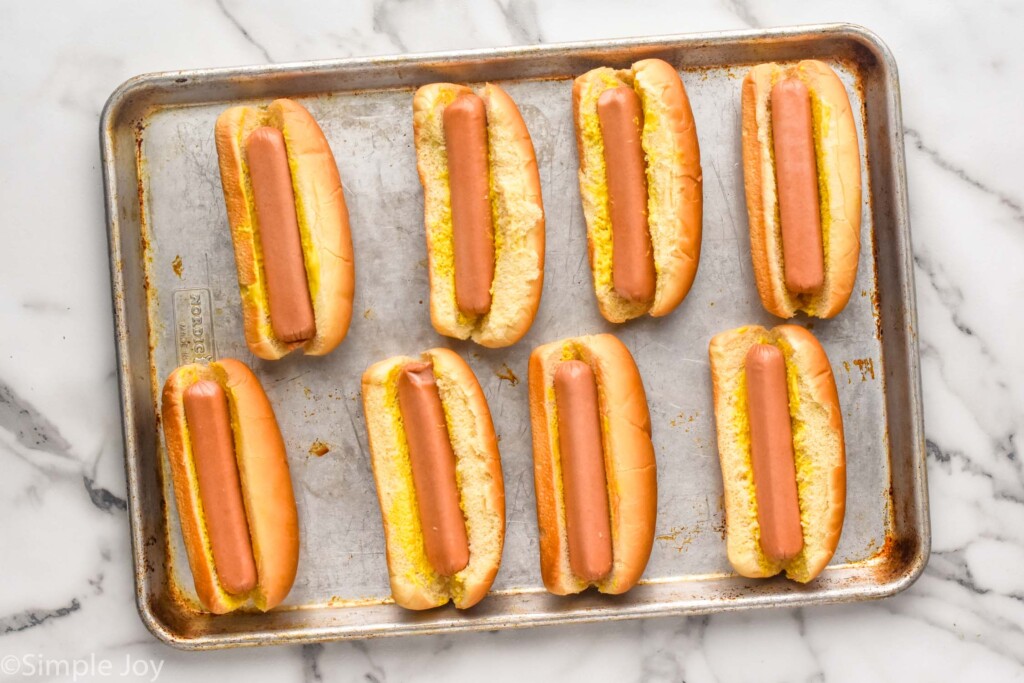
x=403 y=513
x=820 y=117
x=593 y=148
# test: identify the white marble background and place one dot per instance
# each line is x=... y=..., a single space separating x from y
x=66 y=590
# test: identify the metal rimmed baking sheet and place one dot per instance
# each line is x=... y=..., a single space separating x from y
x=176 y=299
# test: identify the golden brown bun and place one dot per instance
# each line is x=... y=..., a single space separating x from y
x=414 y=583
x=629 y=462
x=674 y=184
x=838 y=156
x=266 y=486
x=818 y=446
x=517 y=209
x=323 y=224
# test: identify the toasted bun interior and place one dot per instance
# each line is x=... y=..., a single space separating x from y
x=674 y=184
x=818 y=447
x=266 y=486
x=517 y=213
x=839 y=188
x=629 y=462
x=414 y=583
x=322 y=217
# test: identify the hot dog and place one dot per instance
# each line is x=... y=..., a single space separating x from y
x=797 y=178
x=802 y=177
x=213 y=452
x=641 y=186
x=465 y=139
x=595 y=511
x=291 y=313
x=771 y=453
x=621 y=117
x=587 y=521
x=289 y=226
x=231 y=485
x=781 y=448
x=483 y=213
x=438 y=475
x=433 y=469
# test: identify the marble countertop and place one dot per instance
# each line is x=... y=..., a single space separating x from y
x=67 y=593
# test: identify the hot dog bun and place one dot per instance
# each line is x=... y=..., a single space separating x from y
x=265 y=479
x=818 y=446
x=414 y=583
x=838 y=161
x=517 y=210
x=323 y=225
x=674 y=181
x=629 y=462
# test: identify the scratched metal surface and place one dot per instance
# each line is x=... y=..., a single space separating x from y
x=174 y=276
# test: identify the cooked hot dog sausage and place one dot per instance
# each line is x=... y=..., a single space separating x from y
x=433 y=469
x=796 y=174
x=621 y=119
x=584 y=482
x=213 y=452
x=771 y=449
x=291 y=310
x=465 y=140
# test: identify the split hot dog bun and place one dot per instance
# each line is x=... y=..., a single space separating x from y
x=674 y=184
x=262 y=477
x=819 y=452
x=322 y=217
x=415 y=581
x=838 y=169
x=516 y=211
x=628 y=457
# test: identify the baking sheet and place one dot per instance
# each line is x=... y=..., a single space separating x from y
x=176 y=300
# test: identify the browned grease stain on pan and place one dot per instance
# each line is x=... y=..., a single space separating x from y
x=679 y=537
x=683 y=420
x=866 y=367
x=506 y=374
